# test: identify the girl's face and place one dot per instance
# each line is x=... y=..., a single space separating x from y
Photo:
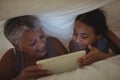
x=34 y=43
x=84 y=35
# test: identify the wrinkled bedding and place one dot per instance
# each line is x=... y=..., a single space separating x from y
x=59 y=24
x=108 y=69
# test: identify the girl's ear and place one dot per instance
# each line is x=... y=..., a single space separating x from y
x=99 y=36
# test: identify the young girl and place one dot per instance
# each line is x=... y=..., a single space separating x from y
x=30 y=44
x=91 y=33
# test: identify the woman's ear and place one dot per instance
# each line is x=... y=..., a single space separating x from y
x=18 y=47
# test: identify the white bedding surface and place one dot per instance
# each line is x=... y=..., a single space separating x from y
x=60 y=25
x=108 y=69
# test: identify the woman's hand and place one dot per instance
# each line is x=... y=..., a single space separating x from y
x=92 y=56
x=32 y=72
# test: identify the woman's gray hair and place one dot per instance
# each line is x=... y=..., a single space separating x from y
x=15 y=27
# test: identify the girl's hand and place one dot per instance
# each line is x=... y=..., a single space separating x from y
x=32 y=72
x=92 y=56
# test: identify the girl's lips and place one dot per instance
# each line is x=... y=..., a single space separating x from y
x=82 y=46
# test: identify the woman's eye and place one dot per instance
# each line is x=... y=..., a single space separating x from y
x=33 y=43
x=42 y=36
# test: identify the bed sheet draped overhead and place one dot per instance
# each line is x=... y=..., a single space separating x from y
x=11 y=8
x=57 y=16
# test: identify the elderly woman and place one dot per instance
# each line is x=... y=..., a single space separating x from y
x=30 y=44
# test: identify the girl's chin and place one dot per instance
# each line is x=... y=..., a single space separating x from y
x=82 y=48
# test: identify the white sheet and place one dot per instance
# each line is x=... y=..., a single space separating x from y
x=108 y=69
x=59 y=18
x=12 y=8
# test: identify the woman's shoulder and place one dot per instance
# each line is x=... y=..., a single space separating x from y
x=53 y=39
x=60 y=48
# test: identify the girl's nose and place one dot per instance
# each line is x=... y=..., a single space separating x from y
x=78 y=39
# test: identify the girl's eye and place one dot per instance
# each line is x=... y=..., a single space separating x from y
x=84 y=36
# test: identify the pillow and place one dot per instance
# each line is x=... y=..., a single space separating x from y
x=108 y=69
x=4 y=43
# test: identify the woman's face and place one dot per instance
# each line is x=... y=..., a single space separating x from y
x=83 y=35
x=34 y=43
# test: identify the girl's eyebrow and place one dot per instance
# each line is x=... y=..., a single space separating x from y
x=80 y=33
x=83 y=34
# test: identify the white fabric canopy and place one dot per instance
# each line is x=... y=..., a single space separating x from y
x=108 y=69
x=11 y=8
x=57 y=16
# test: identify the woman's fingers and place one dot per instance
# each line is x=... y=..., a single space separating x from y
x=38 y=74
x=33 y=68
x=33 y=72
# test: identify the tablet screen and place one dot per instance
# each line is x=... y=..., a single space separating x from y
x=63 y=63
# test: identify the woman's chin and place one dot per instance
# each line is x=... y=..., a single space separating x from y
x=82 y=48
x=41 y=54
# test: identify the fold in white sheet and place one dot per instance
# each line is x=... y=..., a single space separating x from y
x=108 y=69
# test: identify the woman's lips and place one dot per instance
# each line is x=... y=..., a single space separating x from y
x=43 y=49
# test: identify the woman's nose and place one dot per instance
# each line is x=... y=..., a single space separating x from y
x=41 y=43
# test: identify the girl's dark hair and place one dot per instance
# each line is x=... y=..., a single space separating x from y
x=96 y=19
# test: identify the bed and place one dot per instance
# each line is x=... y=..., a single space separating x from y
x=102 y=70
x=57 y=19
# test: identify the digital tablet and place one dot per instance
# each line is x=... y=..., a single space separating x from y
x=63 y=63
